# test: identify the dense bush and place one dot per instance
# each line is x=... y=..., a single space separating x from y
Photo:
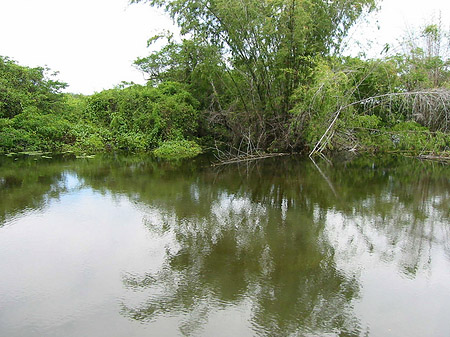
x=268 y=100
x=362 y=105
x=141 y=117
x=35 y=115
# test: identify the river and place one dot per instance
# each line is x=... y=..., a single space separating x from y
x=132 y=246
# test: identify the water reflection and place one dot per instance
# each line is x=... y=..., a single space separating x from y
x=239 y=251
x=27 y=185
x=279 y=248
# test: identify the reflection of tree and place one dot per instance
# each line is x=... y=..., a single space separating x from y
x=27 y=185
x=401 y=217
x=242 y=250
x=259 y=235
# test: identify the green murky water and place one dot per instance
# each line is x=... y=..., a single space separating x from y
x=128 y=246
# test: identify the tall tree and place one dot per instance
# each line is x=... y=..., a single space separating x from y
x=266 y=47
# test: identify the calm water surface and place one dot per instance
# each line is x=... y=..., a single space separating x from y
x=128 y=246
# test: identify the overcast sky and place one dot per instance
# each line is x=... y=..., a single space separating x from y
x=92 y=43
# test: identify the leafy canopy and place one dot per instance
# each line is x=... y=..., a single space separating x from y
x=23 y=88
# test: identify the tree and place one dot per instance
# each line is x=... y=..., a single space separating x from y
x=266 y=49
x=23 y=88
x=191 y=62
x=425 y=61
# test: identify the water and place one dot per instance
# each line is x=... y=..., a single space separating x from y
x=128 y=246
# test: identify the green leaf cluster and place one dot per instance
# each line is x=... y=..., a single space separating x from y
x=368 y=118
x=178 y=149
x=140 y=117
x=25 y=89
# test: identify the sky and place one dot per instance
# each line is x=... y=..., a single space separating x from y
x=395 y=19
x=92 y=43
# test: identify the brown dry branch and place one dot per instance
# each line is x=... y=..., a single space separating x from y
x=443 y=159
x=246 y=151
x=241 y=159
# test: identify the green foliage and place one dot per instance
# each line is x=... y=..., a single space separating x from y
x=244 y=59
x=353 y=90
x=89 y=138
x=370 y=135
x=140 y=117
x=34 y=115
x=30 y=109
x=318 y=102
x=417 y=71
x=364 y=121
x=425 y=62
x=23 y=88
x=178 y=149
x=414 y=138
x=372 y=77
x=32 y=131
x=263 y=75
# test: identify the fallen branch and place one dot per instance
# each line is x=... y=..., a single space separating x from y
x=246 y=158
x=442 y=159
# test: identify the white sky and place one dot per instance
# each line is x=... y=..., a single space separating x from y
x=92 y=43
x=395 y=18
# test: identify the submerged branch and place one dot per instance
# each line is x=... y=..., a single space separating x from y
x=443 y=159
x=246 y=158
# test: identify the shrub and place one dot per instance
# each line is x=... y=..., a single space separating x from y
x=178 y=149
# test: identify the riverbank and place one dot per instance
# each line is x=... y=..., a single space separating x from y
x=170 y=120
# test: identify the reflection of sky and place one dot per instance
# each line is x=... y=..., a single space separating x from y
x=66 y=266
x=71 y=181
x=404 y=278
